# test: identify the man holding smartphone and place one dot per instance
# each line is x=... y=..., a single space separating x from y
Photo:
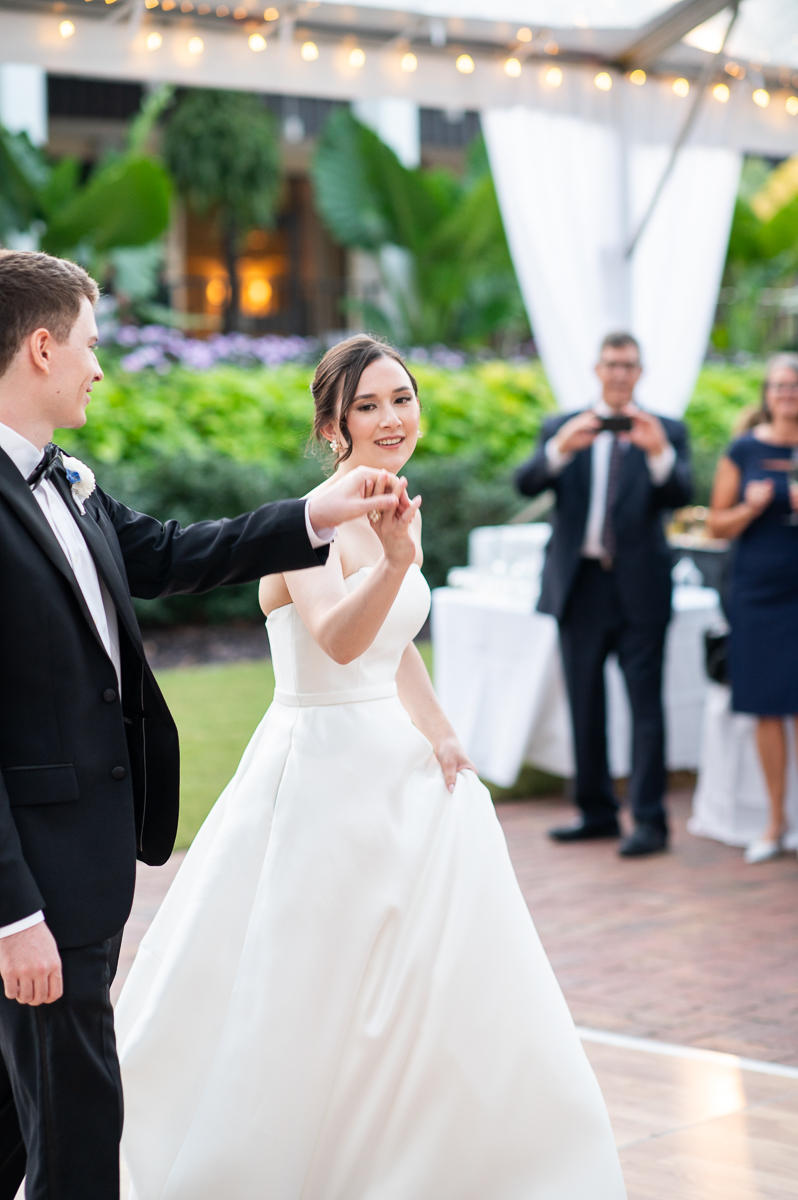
x=615 y=470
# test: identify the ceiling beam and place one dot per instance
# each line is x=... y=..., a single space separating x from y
x=665 y=30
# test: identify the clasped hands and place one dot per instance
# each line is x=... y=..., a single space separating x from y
x=359 y=492
x=581 y=431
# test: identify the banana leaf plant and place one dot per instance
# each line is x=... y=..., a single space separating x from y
x=438 y=241
x=125 y=201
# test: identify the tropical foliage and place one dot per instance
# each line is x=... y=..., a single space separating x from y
x=762 y=262
x=438 y=241
x=123 y=203
x=223 y=151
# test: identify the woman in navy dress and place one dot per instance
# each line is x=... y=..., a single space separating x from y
x=755 y=500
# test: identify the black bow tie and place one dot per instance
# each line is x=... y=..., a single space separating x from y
x=45 y=466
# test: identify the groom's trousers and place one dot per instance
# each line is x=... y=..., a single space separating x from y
x=60 y=1087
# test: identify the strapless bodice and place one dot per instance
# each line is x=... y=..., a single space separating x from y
x=304 y=675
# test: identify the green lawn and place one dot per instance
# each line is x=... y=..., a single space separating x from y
x=217 y=709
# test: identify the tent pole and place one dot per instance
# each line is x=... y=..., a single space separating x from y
x=701 y=86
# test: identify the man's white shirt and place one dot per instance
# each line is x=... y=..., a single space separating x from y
x=25 y=456
x=659 y=468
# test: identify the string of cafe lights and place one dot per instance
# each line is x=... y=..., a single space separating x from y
x=520 y=57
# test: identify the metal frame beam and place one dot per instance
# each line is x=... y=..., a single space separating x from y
x=664 y=31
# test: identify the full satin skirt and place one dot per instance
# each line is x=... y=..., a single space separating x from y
x=343 y=996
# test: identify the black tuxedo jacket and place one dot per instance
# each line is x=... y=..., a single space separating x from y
x=88 y=779
x=642 y=562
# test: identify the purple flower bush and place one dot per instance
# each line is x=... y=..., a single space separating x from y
x=160 y=348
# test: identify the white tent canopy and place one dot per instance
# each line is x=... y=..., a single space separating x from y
x=575 y=166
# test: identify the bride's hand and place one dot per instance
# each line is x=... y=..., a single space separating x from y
x=393 y=526
x=453 y=758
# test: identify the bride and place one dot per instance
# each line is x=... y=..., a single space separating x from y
x=343 y=996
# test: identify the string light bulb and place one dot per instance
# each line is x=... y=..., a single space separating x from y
x=357 y=58
x=638 y=77
x=603 y=81
x=553 y=77
x=271 y=14
x=551 y=48
x=465 y=64
x=681 y=87
x=256 y=42
x=512 y=68
x=309 y=51
x=150 y=3
x=154 y=40
x=721 y=92
x=524 y=34
x=409 y=62
x=66 y=29
x=792 y=106
x=195 y=45
x=761 y=97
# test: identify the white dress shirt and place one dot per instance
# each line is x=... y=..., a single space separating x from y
x=25 y=457
x=659 y=468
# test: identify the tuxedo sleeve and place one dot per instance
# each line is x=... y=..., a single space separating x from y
x=534 y=476
x=19 y=894
x=167 y=560
x=677 y=489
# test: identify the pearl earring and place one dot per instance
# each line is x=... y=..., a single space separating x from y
x=334 y=445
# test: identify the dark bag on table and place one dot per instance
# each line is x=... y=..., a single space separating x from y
x=716 y=649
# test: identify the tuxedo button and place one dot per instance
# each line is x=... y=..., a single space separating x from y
x=109 y=695
x=118 y=773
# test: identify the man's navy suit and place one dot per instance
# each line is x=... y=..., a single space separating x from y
x=624 y=609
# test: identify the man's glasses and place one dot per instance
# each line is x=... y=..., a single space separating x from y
x=620 y=366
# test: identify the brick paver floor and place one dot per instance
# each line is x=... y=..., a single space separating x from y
x=692 y=946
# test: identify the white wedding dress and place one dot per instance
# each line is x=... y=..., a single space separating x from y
x=343 y=996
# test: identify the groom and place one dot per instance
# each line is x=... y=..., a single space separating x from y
x=89 y=765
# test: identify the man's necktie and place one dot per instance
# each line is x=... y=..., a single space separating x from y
x=608 y=531
x=45 y=466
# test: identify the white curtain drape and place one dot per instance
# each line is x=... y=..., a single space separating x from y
x=572 y=187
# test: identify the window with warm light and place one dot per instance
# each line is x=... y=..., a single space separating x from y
x=512 y=68
x=357 y=57
x=721 y=92
x=195 y=45
x=681 y=87
x=638 y=77
x=216 y=291
x=465 y=64
x=154 y=40
x=309 y=51
x=761 y=97
x=409 y=62
x=603 y=81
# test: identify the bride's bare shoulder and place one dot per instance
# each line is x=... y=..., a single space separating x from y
x=272 y=591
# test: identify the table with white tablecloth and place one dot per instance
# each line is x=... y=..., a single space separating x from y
x=499 y=676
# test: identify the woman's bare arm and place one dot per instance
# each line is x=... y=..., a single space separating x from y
x=728 y=515
x=343 y=623
x=418 y=697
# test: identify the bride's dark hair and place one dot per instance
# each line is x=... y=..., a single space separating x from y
x=338 y=375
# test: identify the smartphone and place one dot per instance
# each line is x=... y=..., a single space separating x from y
x=618 y=424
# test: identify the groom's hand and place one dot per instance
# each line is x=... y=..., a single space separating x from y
x=30 y=966
x=353 y=496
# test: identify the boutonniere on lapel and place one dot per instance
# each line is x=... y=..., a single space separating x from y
x=80 y=479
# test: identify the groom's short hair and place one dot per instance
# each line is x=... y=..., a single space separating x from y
x=38 y=291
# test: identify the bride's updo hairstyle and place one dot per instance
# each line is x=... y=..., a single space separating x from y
x=337 y=378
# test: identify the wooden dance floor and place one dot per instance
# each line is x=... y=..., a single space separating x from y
x=692 y=944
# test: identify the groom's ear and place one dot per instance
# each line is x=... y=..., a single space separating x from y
x=39 y=348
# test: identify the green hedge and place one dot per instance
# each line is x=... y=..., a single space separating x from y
x=215 y=443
